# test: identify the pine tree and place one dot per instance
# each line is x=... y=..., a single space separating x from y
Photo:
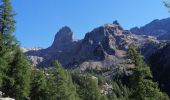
x=167 y=4
x=17 y=81
x=7 y=41
x=140 y=82
x=14 y=68
x=38 y=85
x=7 y=27
x=60 y=85
x=93 y=91
x=87 y=87
x=119 y=92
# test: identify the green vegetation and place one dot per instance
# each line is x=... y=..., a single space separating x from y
x=14 y=68
x=60 y=86
x=140 y=82
x=38 y=90
x=7 y=41
x=167 y=4
x=87 y=87
x=19 y=80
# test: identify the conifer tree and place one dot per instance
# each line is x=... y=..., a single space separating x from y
x=7 y=41
x=38 y=85
x=87 y=87
x=14 y=68
x=60 y=85
x=17 y=81
x=7 y=27
x=93 y=91
x=140 y=82
x=167 y=4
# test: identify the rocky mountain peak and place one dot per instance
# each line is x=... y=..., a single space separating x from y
x=63 y=37
x=104 y=46
x=109 y=39
x=106 y=31
x=64 y=30
x=157 y=28
x=116 y=22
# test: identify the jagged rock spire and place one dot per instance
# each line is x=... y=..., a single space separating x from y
x=116 y=22
x=63 y=37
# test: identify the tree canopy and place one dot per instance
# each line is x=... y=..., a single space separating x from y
x=167 y=4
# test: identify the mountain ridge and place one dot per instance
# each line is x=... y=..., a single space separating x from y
x=158 y=28
x=104 y=46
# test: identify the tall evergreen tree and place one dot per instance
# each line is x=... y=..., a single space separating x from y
x=140 y=82
x=38 y=85
x=17 y=81
x=87 y=87
x=14 y=68
x=7 y=27
x=93 y=91
x=60 y=85
x=167 y=4
x=7 y=40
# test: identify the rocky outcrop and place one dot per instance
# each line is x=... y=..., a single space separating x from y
x=7 y=98
x=104 y=46
x=63 y=39
x=35 y=60
x=158 y=28
x=106 y=89
x=24 y=49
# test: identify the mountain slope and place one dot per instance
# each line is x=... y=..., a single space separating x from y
x=104 y=46
x=157 y=28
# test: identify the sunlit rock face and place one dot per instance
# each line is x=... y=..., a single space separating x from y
x=102 y=47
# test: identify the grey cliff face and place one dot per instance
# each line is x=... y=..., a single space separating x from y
x=62 y=39
x=158 y=28
x=104 y=46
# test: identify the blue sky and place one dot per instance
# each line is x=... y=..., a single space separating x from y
x=39 y=20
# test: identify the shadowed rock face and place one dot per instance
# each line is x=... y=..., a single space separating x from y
x=160 y=65
x=104 y=46
x=62 y=39
x=157 y=28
